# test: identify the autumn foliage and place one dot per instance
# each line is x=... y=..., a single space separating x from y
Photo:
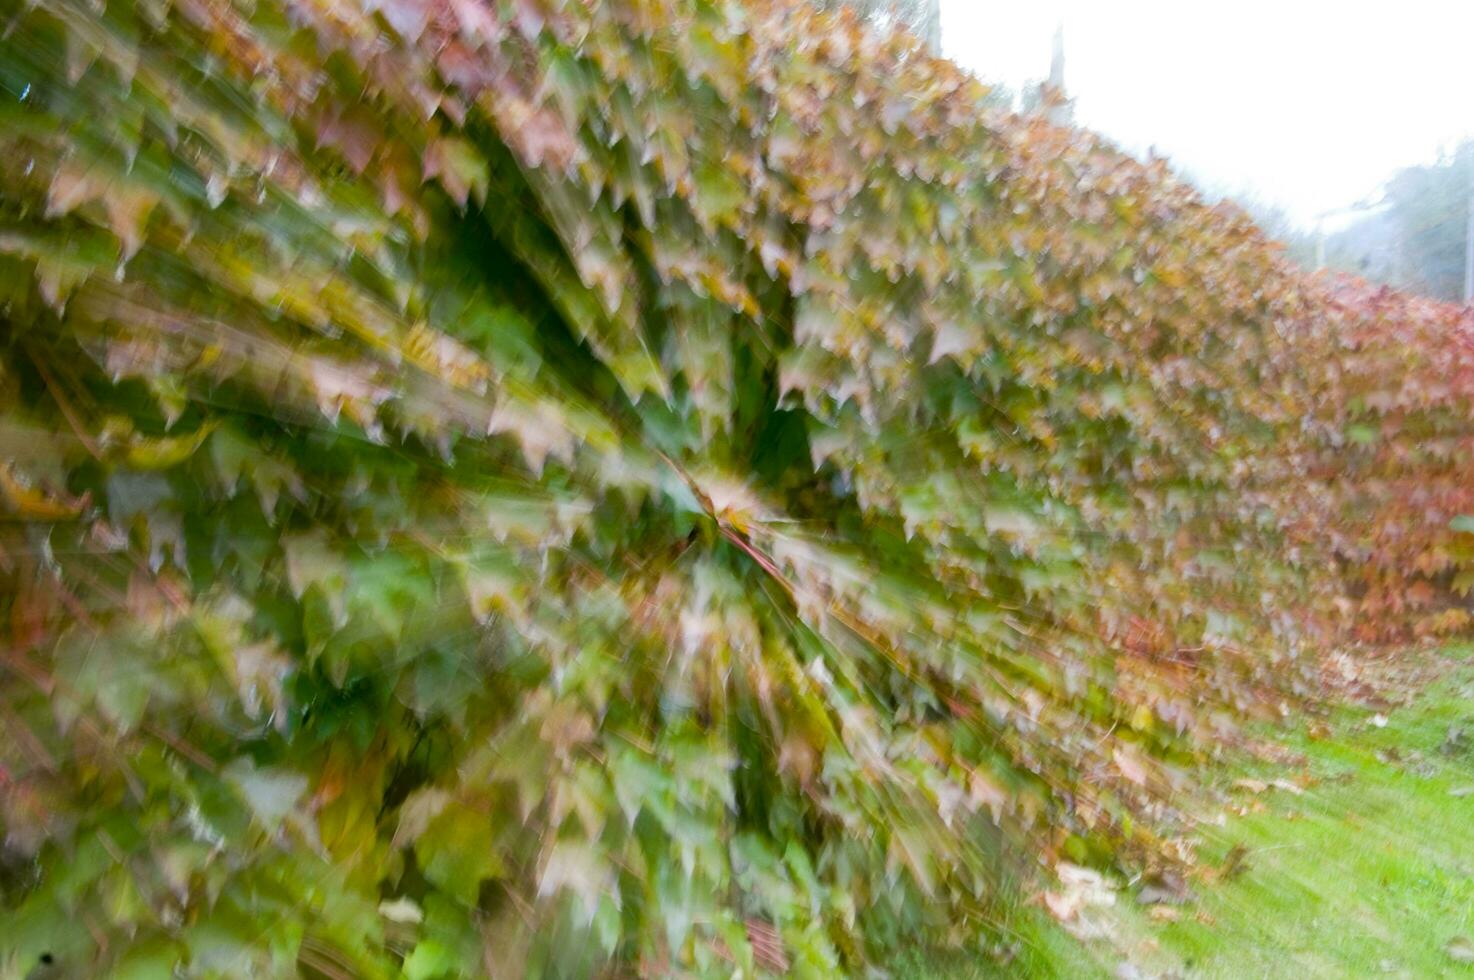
x=500 y=486
x=1392 y=494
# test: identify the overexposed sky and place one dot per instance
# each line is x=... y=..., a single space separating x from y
x=1309 y=104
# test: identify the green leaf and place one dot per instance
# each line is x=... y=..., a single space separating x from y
x=430 y=958
x=458 y=850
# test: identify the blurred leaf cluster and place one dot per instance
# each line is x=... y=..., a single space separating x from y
x=524 y=487
x=922 y=17
x=1387 y=493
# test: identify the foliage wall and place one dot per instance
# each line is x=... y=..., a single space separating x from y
x=501 y=486
x=1387 y=488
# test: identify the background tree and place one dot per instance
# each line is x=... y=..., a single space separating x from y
x=1417 y=240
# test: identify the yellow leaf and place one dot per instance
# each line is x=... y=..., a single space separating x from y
x=34 y=504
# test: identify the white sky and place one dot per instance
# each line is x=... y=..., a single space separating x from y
x=1309 y=104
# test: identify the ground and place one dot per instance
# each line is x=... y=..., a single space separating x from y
x=1351 y=854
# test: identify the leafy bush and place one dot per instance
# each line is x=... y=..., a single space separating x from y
x=1388 y=488
x=660 y=487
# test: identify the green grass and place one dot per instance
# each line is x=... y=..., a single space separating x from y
x=1038 y=948
x=1368 y=872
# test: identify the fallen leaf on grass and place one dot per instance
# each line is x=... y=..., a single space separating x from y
x=1462 y=791
x=1456 y=741
x=1233 y=862
x=1166 y=888
x=1460 y=949
x=1062 y=905
x=1163 y=913
x=1259 y=785
x=1080 y=888
x=1003 y=953
x=1076 y=904
x=1276 y=753
x=1379 y=721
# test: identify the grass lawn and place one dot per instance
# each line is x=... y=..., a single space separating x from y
x=1367 y=871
